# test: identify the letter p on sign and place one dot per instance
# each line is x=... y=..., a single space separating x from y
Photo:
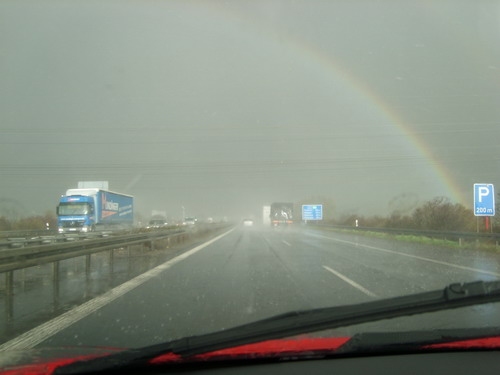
x=484 y=191
x=484 y=200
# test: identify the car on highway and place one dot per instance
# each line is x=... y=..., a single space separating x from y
x=329 y=172
x=248 y=222
x=190 y=221
x=157 y=223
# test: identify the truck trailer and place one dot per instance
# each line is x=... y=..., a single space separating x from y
x=85 y=210
x=281 y=214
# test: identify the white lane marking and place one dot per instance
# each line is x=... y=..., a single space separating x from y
x=286 y=243
x=38 y=334
x=415 y=257
x=351 y=282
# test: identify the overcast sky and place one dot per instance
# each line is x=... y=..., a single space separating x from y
x=222 y=107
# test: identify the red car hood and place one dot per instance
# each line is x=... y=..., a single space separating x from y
x=45 y=361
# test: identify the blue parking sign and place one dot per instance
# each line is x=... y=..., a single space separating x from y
x=484 y=200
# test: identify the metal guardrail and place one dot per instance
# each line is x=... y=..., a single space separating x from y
x=26 y=232
x=17 y=242
x=12 y=260
x=17 y=239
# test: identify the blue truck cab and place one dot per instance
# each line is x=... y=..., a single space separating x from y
x=85 y=210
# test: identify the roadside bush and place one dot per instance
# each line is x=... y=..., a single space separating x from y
x=440 y=214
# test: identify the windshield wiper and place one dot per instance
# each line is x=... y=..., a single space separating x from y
x=300 y=322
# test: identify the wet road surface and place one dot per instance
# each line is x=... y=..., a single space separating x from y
x=250 y=274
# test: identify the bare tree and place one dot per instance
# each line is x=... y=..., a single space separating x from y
x=440 y=214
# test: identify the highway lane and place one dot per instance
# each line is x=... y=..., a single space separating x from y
x=392 y=268
x=250 y=274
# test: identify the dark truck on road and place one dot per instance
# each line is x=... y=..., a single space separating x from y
x=281 y=214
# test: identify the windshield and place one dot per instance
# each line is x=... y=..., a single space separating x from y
x=304 y=153
x=67 y=209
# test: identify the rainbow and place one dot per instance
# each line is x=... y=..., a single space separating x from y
x=370 y=97
x=334 y=69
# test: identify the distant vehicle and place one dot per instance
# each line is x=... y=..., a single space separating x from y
x=248 y=222
x=281 y=214
x=190 y=221
x=156 y=223
x=83 y=210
